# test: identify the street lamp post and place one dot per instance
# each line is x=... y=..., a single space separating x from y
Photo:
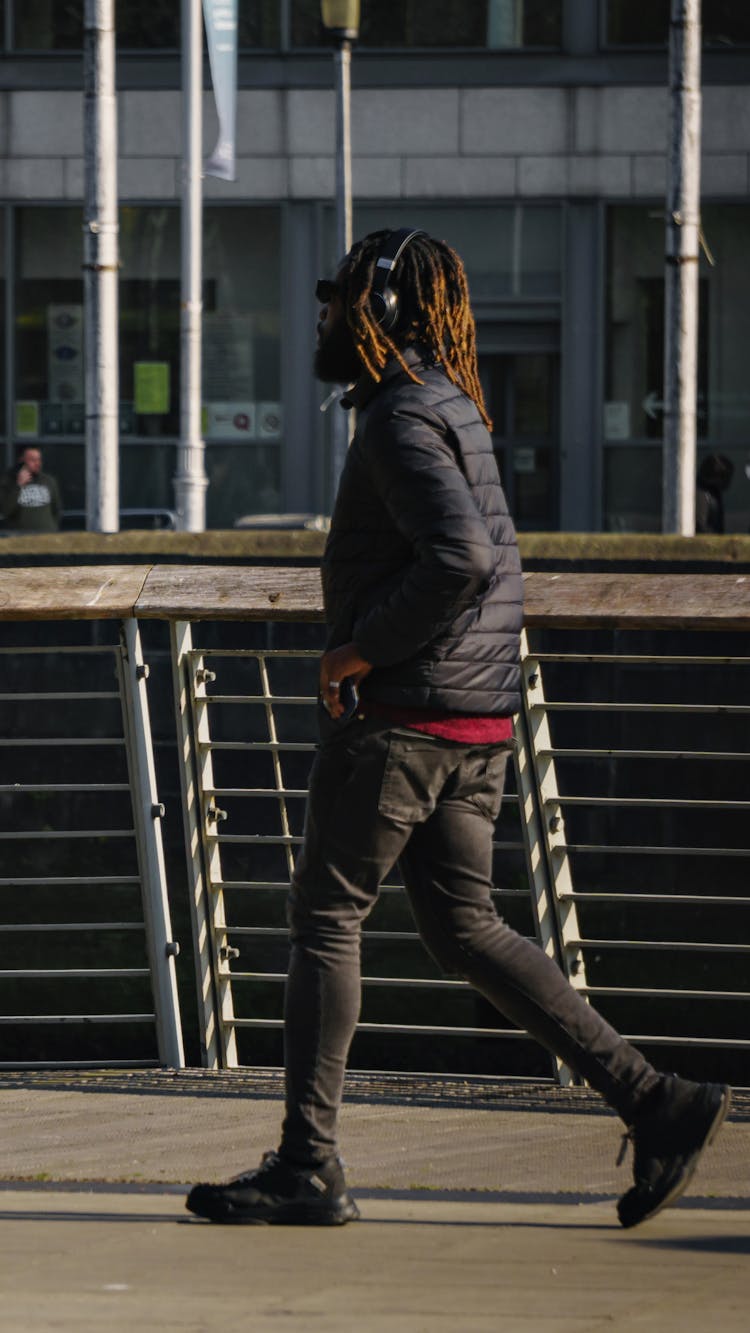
x=681 y=275
x=100 y=268
x=190 y=483
x=341 y=20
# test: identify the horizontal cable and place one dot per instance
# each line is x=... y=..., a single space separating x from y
x=646 y=802
x=282 y=886
x=282 y=932
x=639 y=658
x=25 y=742
x=52 y=926
x=296 y=792
x=58 y=696
x=615 y=706
x=61 y=648
x=671 y=946
x=80 y=1064
x=275 y=699
x=679 y=899
x=278 y=792
x=423 y=983
x=62 y=974
x=47 y=788
x=8 y=1019
x=67 y=881
x=277 y=886
x=254 y=839
x=628 y=849
x=562 y=752
x=707 y=1043
x=403 y=1029
x=256 y=653
x=407 y=1029
x=257 y=745
x=33 y=834
x=643 y=992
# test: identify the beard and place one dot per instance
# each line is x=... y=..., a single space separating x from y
x=336 y=359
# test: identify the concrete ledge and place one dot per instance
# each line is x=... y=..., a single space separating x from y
x=291 y=544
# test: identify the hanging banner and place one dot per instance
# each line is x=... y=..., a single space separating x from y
x=220 y=18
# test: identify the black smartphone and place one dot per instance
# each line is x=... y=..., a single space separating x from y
x=349 y=698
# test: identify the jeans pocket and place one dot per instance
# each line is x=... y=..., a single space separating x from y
x=489 y=794
x=408 y=789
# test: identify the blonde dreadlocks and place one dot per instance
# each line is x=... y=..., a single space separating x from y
x=434 y=311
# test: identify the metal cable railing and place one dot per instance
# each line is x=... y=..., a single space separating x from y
x=268 y=818
x=661 y=892
x=622 y=850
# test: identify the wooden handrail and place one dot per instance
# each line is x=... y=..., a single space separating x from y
x=221 y=592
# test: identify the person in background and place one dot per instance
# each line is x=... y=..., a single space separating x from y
x=714 y=477
x=29 y=497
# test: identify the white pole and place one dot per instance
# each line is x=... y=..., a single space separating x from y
x=190 y=483
x=341 y=423
x=100 y=267
x=681 y=273
x=343 y=67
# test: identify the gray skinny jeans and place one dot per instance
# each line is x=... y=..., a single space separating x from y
x=377 y=795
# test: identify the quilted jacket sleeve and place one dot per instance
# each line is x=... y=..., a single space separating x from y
x=414 y=471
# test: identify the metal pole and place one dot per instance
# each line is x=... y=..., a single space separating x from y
x=341 y=423
x=190 y=483
x=681 y=273
x=147 y=814
x=100 y=267
x=343 y=67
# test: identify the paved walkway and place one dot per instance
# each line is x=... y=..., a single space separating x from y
x=491 y=1211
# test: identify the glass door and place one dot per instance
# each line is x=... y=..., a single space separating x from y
x=522 y=392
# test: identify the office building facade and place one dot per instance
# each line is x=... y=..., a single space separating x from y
x=530 y=134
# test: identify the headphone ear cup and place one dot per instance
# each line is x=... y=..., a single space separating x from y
x=384 y=307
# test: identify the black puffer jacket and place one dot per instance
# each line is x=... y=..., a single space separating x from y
x=421 y=568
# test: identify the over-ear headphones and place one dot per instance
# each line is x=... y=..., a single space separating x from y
x=383 y=297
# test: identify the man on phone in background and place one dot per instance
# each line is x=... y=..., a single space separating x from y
x=29 y=497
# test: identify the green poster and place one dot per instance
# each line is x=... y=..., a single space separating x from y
x=27 y=418
x=151 y=387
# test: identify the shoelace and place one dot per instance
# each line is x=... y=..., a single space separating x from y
x=628 y=1137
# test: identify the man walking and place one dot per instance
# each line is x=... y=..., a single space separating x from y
x=419 y=683
x=29 y=497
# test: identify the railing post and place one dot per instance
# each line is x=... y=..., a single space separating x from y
x=218 y=1041
x=544 y=835
x=147 y=815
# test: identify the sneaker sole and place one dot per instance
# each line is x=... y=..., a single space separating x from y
x=688 y=1172
x=294 y=1215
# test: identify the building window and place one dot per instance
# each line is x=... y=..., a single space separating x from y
x=512 y=256
x=242 y=414
x=142 y=25
x=57 y=25
x=2 y=329
x=243 y=418
x=509 y=251
x=494 y=24
x=633 y=408
x=725 y=23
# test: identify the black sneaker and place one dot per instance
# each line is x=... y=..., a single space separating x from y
x=682 y=1119
x=279 y=1193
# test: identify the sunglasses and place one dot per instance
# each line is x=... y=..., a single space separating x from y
x=326 y=289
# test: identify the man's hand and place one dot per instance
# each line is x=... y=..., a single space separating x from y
x=23 y=476
x=340 y=664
